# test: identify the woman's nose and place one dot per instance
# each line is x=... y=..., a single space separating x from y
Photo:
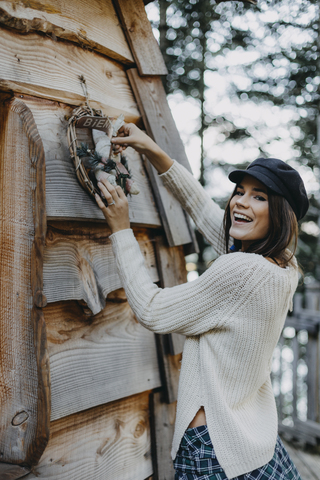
x=242 y=201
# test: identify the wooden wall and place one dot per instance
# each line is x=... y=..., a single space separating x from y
x=86 y=392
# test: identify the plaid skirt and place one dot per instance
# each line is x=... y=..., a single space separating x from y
x=196 y=460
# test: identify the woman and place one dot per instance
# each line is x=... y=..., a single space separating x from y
x=232 y=315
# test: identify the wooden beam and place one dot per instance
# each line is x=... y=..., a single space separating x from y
x=92 y=25
x=24 y=369
x=12 y=472
x=169 y=367
x=65 y=198
x=172 y=271
x=156 y=114
x=99 y=359
x=107 y=442
x=79 y=264
x=54 y=73
x=162 y=428
x=159 y=124
x=139 y=34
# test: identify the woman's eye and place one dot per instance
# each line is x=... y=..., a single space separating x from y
x=239 y=193
x=262 y=199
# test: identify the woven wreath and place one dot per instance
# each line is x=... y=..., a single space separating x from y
x=90 y=163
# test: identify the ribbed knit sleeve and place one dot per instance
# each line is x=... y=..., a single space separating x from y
x=206 y=214
x=192 y=308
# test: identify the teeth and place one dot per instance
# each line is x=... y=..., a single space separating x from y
x=241 y=216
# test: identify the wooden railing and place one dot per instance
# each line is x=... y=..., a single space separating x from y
x=295 y=370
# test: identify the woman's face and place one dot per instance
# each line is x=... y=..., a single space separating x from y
x=249 y=210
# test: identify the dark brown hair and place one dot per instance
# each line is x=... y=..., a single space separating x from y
x=283 y=231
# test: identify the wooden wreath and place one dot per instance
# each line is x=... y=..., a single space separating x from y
x=93 y=165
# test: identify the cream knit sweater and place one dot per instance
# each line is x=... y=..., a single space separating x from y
x=232 y=316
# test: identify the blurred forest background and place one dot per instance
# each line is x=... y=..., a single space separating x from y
x=244 y=82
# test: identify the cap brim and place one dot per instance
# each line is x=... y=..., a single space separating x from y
x=237 y=176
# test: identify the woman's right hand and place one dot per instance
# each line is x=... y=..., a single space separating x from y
x=130 y=135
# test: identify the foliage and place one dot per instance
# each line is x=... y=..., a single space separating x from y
x=268 y=56
x=192 y=34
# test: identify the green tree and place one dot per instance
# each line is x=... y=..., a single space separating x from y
x=188 y=45
x=288 y=75
x=188 y=41
x=281 y=41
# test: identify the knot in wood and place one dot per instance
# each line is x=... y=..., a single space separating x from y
x=140 y=429
x=40 y=300
x=19 y=418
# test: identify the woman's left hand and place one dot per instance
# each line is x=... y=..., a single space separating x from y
x=117 y=211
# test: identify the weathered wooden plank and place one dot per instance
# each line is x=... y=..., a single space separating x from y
x=162 y=427
x=152 y=102
x=79 y=265
x=156 y=114
x=176 y=343
x=54 y=71
x=107 y=442
x=172 y=271
x=12 y=472
x=24 y=371
x=92 y=25
x=139 y=34
x=65 y=198
x=99 y=359
x=171 y=264
x=169 y=367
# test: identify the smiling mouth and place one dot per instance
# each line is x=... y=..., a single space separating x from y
x=240 y=217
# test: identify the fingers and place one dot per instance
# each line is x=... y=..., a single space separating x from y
x=111 y=192
x=119 y=140
x=127 y=129
x=120 y=193
x=117 y=212
x=108 y=191
x=126 y=134
x=99 y=201
x=119 y=148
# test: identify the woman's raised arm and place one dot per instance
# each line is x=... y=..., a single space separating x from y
x=206 y=214
x=131 y=135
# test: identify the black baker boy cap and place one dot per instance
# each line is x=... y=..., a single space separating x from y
x=279 y=177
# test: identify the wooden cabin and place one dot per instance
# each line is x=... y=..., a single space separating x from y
x=86 y=393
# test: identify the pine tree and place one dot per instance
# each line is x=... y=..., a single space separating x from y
x=285 y=73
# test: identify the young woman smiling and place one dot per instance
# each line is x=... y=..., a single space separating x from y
x=232 y=315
